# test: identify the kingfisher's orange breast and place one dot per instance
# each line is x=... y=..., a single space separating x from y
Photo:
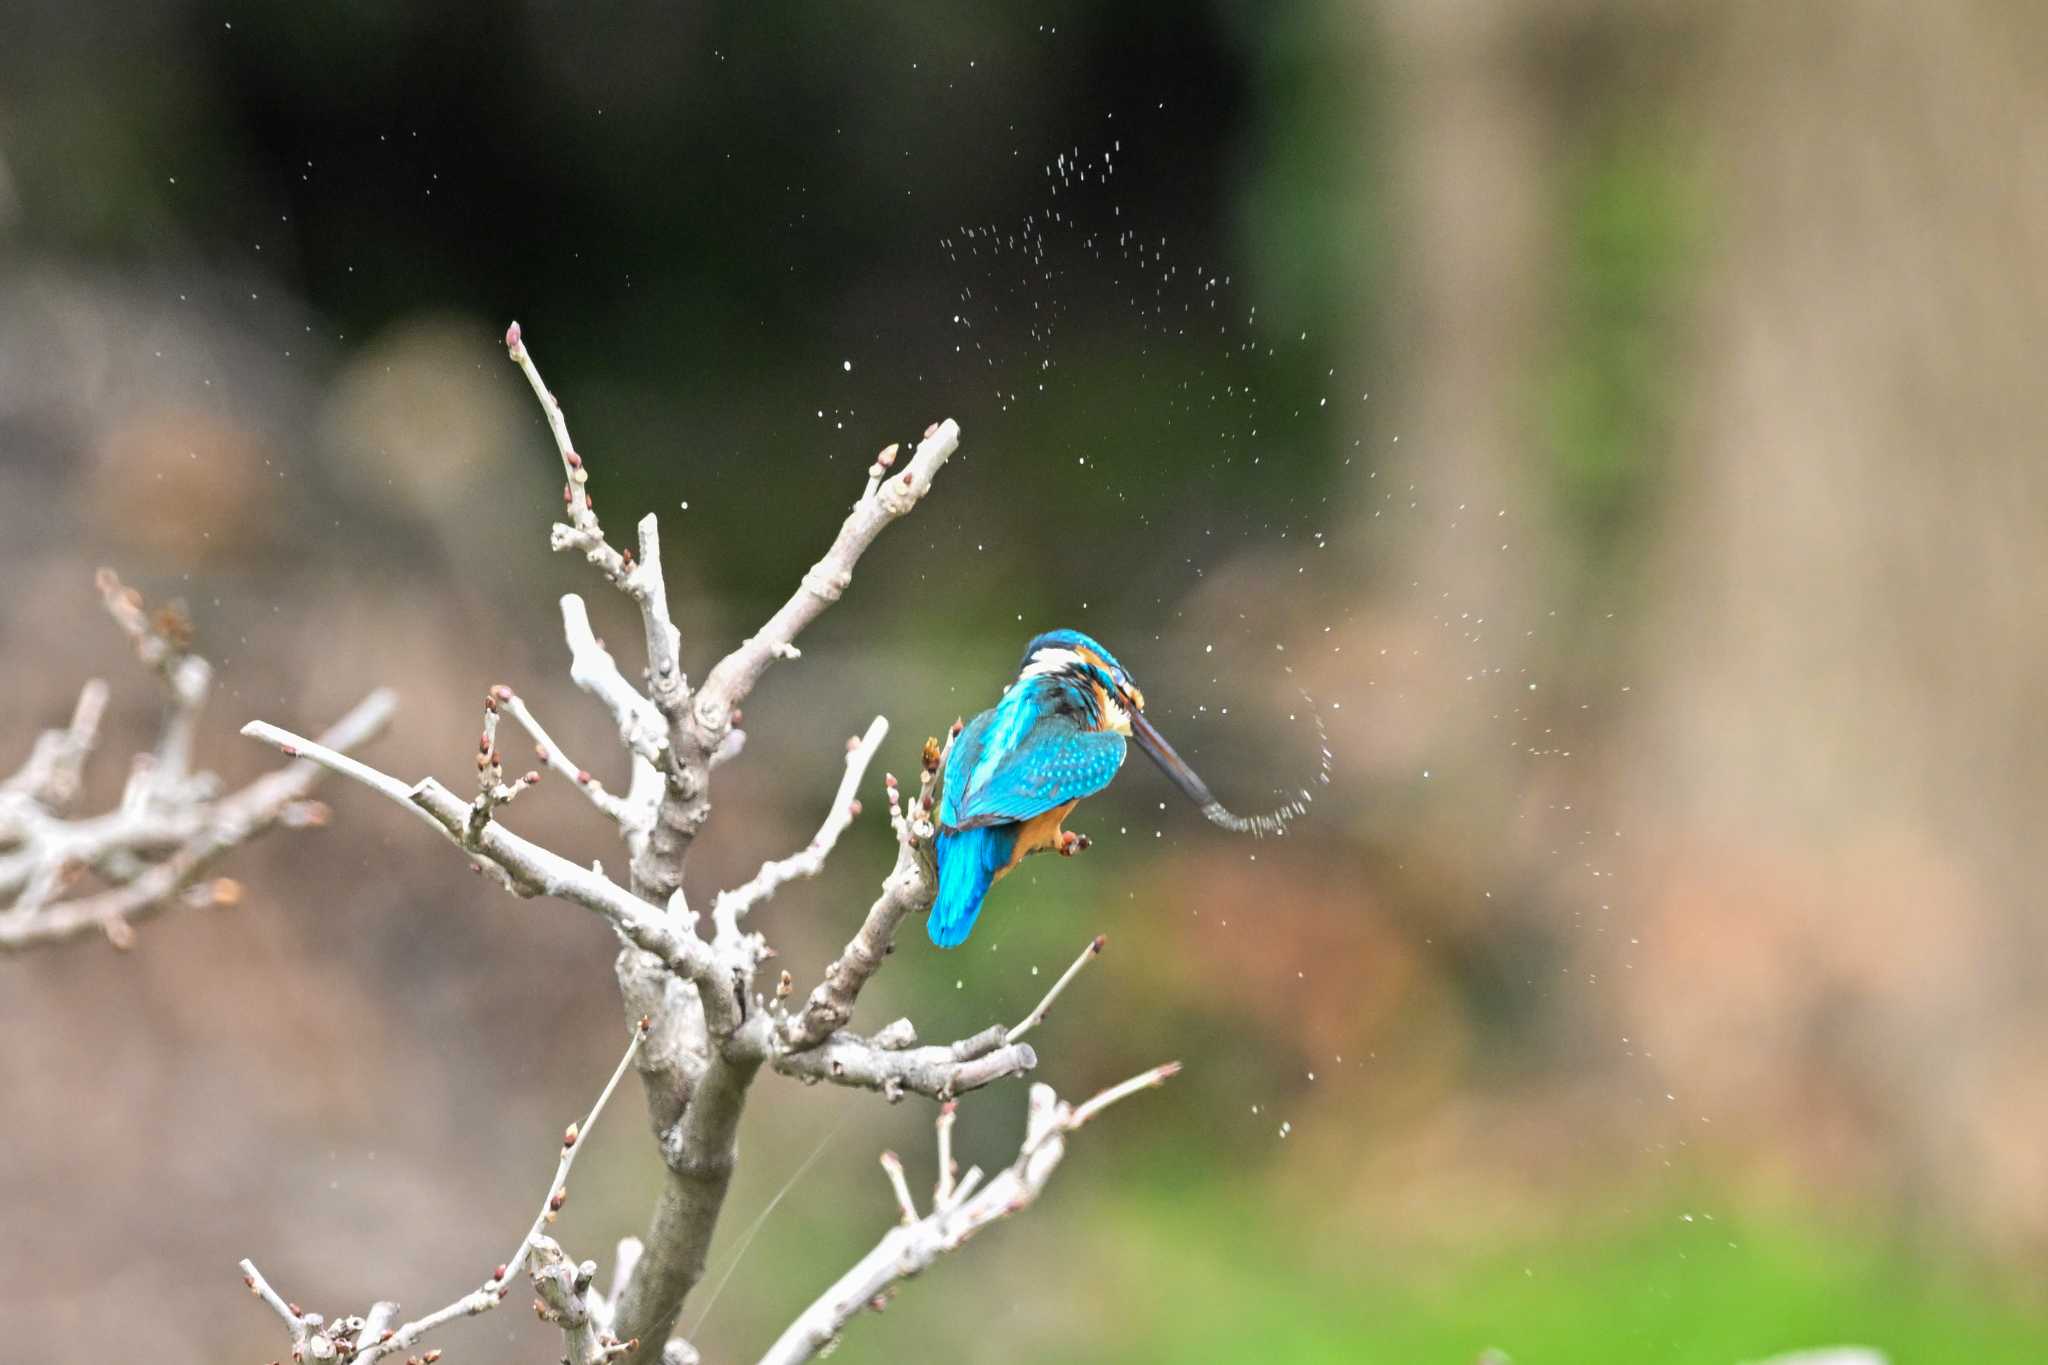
x=1041 y=831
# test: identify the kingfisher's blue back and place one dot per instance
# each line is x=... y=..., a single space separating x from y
x=1017 y=769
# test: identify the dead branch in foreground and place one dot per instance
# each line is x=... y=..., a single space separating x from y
x=153 y=850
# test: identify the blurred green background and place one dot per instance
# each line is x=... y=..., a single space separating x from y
x=1621 y=418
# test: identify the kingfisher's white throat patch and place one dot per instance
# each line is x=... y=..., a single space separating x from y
x=1051 y=659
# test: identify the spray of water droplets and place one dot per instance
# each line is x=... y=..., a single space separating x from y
x=1276 y=821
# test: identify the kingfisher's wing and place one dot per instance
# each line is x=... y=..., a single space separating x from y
x=1014 y=762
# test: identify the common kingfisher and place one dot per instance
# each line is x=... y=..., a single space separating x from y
x=1015 y=771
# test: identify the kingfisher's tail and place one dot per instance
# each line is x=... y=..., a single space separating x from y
x=968 y=862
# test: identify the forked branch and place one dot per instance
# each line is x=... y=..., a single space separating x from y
x=959 y=1210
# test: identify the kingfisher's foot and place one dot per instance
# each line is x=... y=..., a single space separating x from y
x=1071 y=842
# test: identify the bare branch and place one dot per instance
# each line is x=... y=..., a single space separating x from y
x=376 y=1323
x=643 y=581
x=582 y=531
x=909 y=887
x=585 y=1323
x=592 y=668
x=732 y=905
x=956 y=1215
x=939 y=1072
x=491 y=791
x=558 y=1189
x=1148 y=1080
x=156 y=846
x=260 y=1287
x=883 y=501
x=620 y=810
x=163 y=642
x=665 y=680
x=531 y=870
x=892 y=1166
x=942 y=1186
x=56 y=765
x=624 y=1261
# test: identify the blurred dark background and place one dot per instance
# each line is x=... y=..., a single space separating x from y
x=1620 y=419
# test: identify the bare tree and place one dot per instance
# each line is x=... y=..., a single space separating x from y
x=700 y=1029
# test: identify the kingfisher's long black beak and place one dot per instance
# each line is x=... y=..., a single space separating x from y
x=1172 y=764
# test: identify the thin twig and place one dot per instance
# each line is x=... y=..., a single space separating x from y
x=643 y=581
x=330 y=758
x=575 y=497
x=892 y=1166
x=260 y=1287
x=572 y=1144
x=1037 y=1015
x=942 y=1187
x=1157 y=1076
x=734 y=676
x=313 y=1339
x=491 y=790
x=550 y=753
x=733 y=905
